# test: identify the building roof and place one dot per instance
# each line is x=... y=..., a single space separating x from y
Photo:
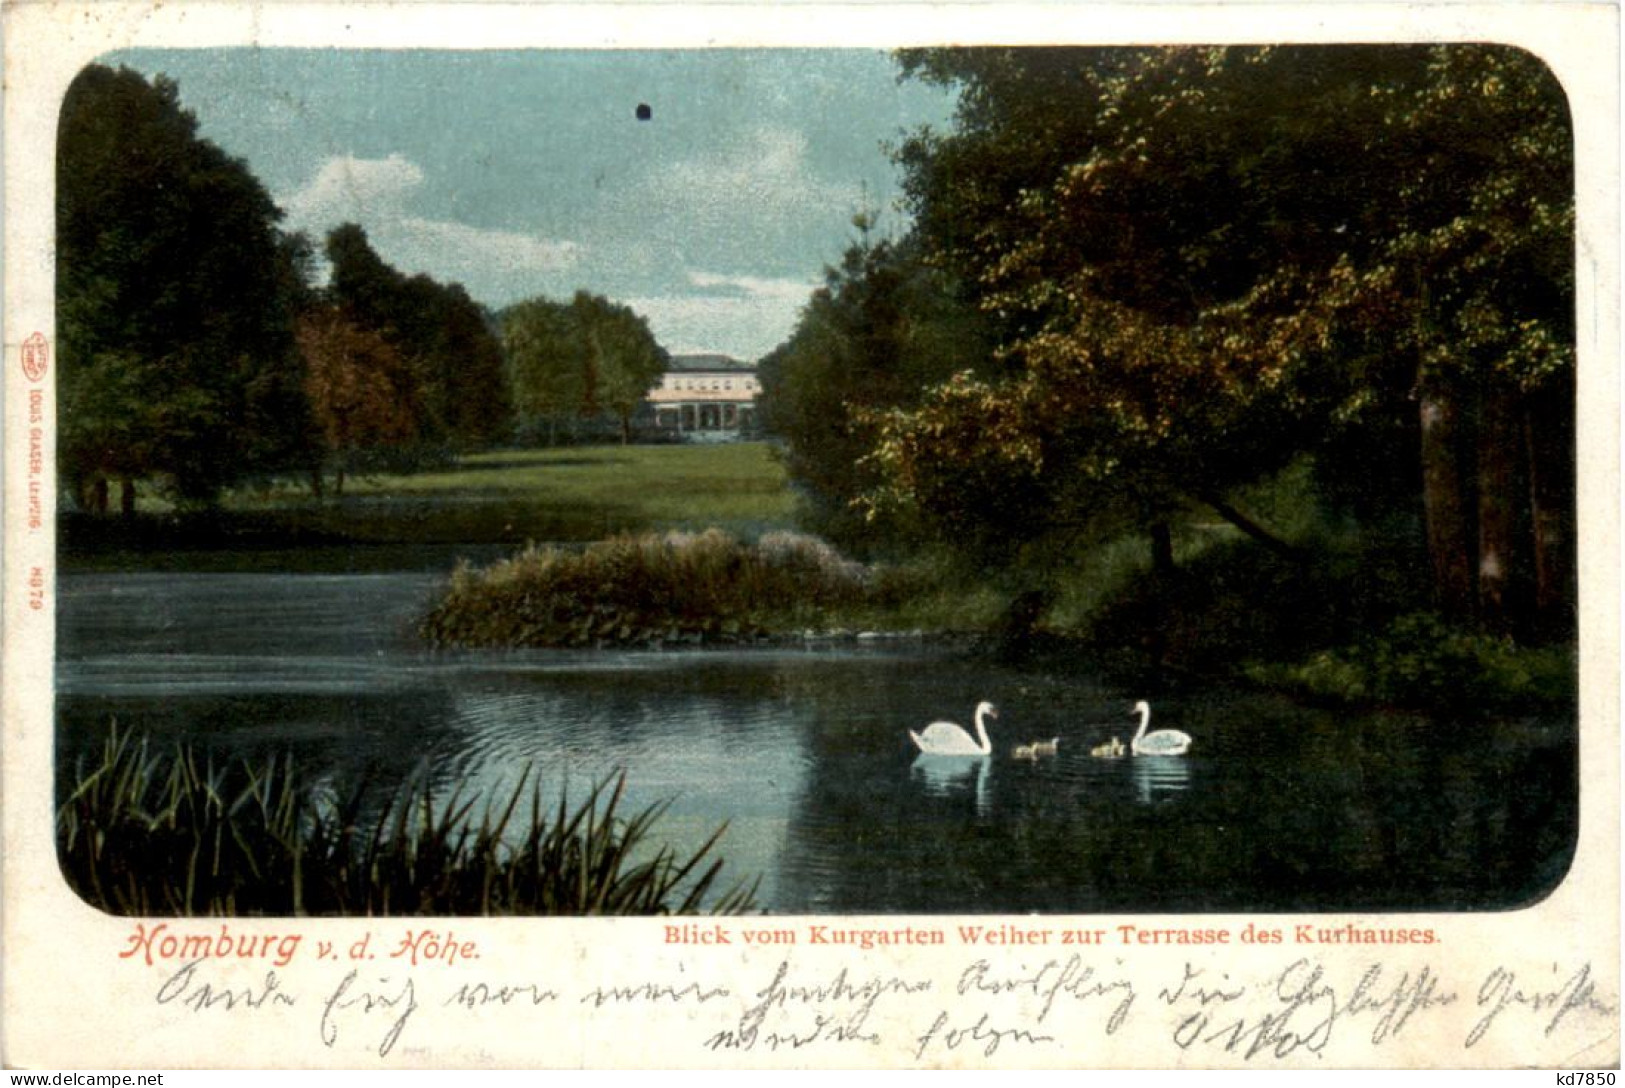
x=709 y=362
x=662 y=397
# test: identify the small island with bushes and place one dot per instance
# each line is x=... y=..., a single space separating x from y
x=672 y=589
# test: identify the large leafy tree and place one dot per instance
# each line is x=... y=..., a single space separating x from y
x=451 y=346
x=624 y=361
x=580 y=359
x=1204 y=261
x=884 y=327
x=176 y=294
x=547 y=372
x=1482 y=264
x=362 y=393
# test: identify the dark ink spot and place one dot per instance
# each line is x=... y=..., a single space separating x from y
x=644 y=112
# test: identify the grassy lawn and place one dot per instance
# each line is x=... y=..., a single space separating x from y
x=485 y=505
x=738 y=486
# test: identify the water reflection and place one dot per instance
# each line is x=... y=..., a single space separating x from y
x=950 y=776
x=1157 y=777
x=805 y=754
x=686 y=738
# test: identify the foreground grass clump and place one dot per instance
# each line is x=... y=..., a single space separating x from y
x=169 y=835
x=650 y=589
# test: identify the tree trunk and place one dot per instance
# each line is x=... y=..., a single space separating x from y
x=1162 y=553
x=1551 y=513
x=316 y=479
x=1445 y=502
x=98 y=495
x=338 y=482
x=1249 y=526
x=126 y=498
x=1020 y=622
x=1499 y=498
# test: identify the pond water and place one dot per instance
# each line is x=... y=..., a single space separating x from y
x=804 y=752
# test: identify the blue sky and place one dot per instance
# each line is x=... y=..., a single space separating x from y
x=528 y=173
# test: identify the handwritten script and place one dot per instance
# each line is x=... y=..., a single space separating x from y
x=983 y=1008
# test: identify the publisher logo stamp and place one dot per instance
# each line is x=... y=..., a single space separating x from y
x=36 y=354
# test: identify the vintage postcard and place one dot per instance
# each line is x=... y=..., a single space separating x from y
x=693 y=536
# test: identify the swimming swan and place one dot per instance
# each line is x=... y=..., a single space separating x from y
x=1046 y=747
x=1164 y=742
x=948 y=739
x=1025 y=751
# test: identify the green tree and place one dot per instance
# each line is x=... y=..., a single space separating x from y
x=1204 y=261
x=1481 y=264
x=546 y=362
x=883 y=328
x=624 y=361
x=176 y=294
x=580 y=359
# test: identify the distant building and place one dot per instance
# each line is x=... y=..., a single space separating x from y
x=705 y=398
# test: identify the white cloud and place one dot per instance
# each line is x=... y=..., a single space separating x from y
x=348 y=189
x=737 y=204
x=750 y=318
x=377 y=193
x=770 y=168
x=761 y=188
x=756 y=286
x=474 y=248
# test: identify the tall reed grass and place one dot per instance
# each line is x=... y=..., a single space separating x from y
x=150 y=834
x=652 y=588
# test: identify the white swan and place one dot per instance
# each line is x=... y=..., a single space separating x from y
x=948 y=739
x=1164 y=742
x=1025 y=751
